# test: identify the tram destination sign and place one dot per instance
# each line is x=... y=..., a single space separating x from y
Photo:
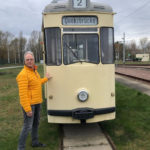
x=80 y=20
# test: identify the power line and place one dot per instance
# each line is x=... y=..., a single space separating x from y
x=128 y=8
x=139 y=8
x=137 y=27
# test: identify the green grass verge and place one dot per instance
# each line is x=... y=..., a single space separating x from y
x=131 y=128
x=11 y=116
x=129 y=131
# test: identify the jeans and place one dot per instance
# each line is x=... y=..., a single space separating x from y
x=30 y=125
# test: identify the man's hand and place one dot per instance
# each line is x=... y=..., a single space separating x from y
x=29 y=114
x=48 y=76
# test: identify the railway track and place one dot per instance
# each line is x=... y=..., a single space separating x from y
x=85 y=137
x=146 y=67
x=136 y=72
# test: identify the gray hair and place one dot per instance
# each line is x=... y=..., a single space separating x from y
x=28 y=52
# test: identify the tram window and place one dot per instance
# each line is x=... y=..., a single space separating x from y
x=53 y=46
x=107 y=45
x=80 y=48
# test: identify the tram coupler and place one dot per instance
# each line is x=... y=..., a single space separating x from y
x=83 y=122
x=83 y=114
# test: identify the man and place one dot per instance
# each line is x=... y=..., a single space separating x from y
x=30 y=92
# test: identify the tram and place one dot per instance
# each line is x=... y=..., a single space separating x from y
x=79 y=54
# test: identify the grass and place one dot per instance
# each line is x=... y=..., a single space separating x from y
x=10 y=65
x=11 y=116
x=131 y=128
x=129 y=131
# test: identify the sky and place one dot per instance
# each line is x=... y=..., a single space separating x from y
x=132 y=17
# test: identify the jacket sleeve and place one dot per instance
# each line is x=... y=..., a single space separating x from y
x=43 y=80
x=23 y=92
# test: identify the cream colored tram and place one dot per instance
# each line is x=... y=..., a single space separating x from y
x=78 y=50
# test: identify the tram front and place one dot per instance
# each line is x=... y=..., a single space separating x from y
x=79 y=55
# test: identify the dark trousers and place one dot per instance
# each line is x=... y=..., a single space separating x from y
x=30 y=125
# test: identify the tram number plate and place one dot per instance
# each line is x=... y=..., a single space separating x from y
x=79 y=3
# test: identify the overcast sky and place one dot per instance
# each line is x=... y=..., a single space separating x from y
x=133 y=17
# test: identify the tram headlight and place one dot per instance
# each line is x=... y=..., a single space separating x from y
x=83 y=96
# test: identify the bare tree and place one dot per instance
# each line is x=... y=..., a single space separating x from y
x=39 y=46
x=14 y=47
x=3 y=54
x=143 y=44
x=133 y=48
x=118 y=50
x=21 y=49
x=148 y=47
x=34 y=44
x=5 y=40
x=8 y=37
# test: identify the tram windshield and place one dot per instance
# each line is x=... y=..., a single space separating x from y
x=107 y=45
x=80 y=48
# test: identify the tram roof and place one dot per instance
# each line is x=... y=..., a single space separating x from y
x=67 y=5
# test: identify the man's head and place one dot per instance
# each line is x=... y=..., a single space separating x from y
x=29 y=59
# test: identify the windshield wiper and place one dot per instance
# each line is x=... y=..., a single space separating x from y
x=74 y=54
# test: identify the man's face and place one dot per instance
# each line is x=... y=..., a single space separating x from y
x=29 y=61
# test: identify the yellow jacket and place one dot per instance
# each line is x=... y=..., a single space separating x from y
x=30 y=87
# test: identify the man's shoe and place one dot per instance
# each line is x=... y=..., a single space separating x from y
x=38 y=145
